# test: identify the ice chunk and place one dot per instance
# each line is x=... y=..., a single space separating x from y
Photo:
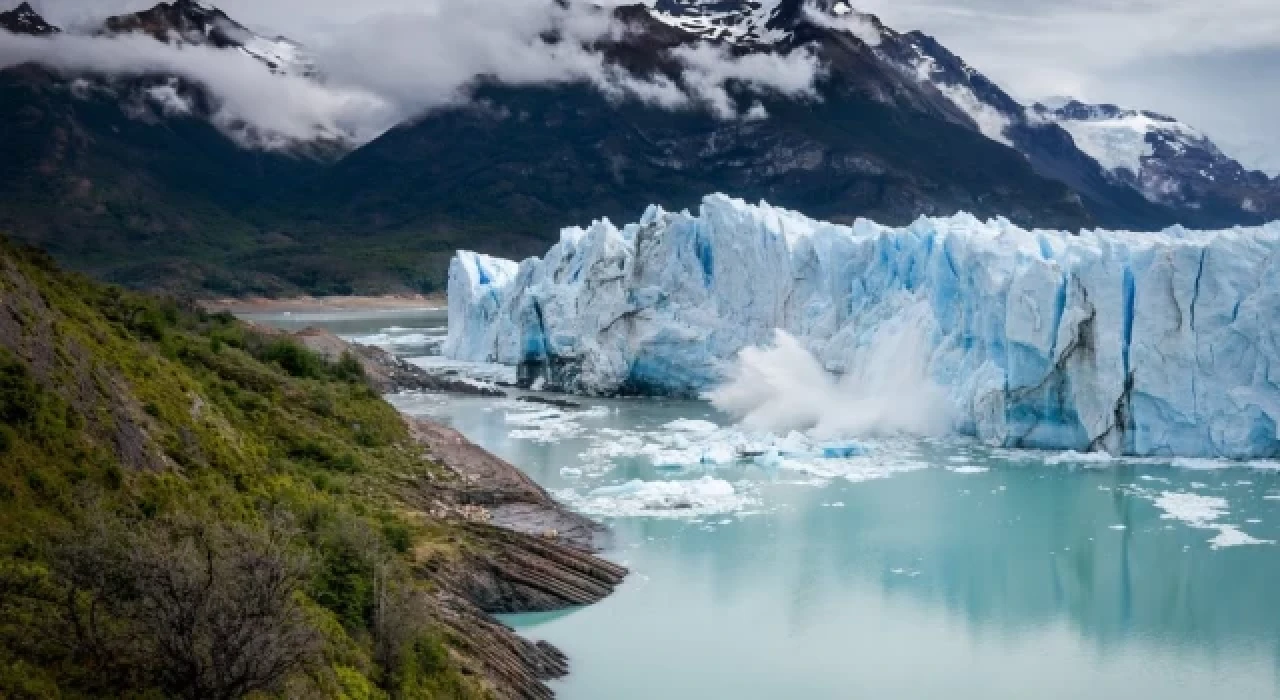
x=1136 y=344
x=1231 y=536
x=687 y=425
x=1203 y=512
x=660 y=499
x=842 y=451
x=1191 y=508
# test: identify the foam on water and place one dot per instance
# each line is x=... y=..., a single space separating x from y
x=479 y=371
x=396 y=337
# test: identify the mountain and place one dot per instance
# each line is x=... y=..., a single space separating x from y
x=150 y=180
x=1049 y=148
x=191 y=23
x=24 y=20
x=517 y=163
x=1169 y=162
x=132 y=178
x=1114 y=158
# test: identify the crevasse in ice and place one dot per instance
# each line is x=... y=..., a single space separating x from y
x=1134 y=343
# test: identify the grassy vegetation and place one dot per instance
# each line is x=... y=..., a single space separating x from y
x=191 y=509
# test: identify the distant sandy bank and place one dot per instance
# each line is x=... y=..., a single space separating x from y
x=314 y=304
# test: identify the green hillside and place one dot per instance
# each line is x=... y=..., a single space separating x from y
x=191 y=509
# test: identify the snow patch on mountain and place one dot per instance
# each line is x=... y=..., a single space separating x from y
x=991 y=122
x=843 y=18
x=1137 y=344
x=281 y=55
x=1122 y=139
x=722 y=20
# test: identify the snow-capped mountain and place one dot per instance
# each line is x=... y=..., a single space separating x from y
x=1167 y=160
x=914 y=72
x=189 y=22
x=865 y=138
x=1093 y=148
x=153 y=94
x=24 y=20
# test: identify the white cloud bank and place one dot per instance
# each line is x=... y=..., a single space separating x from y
x=279 y=109
x=385 y=67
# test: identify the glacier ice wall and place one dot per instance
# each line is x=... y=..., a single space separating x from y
x=1145 y=344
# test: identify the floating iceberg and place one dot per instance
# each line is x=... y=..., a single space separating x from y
x=1155 y=344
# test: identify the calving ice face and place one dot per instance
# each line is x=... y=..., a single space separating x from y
x=1140 y=344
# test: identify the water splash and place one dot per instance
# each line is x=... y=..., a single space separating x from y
x=887 y=390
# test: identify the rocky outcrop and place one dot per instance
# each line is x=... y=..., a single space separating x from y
x=510 y=498
x=522 y=552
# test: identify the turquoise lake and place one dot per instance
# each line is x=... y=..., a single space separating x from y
x=918 y=569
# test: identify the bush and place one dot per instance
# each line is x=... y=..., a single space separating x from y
x=201 y=610
x=348 y=369
x=294 y=359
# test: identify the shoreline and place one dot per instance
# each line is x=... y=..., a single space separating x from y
x=523 y=552
x=306 y=304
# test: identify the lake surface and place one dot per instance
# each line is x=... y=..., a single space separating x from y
x=907 y=569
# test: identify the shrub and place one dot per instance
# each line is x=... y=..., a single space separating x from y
x=201 y=610
x=294 y=359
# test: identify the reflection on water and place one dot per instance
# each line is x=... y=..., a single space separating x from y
x=1040 y=577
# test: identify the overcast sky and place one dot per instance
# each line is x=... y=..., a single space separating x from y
x=1214 y=64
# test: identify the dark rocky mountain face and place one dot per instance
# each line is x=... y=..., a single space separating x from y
x=24 y=20
x=505 y=173
x=183 y=20
x=130 y=178
x=140 y=201
x=105 y=173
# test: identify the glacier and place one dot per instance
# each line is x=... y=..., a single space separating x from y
x=1143 y=344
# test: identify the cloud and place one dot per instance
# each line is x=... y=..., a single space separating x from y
x=1206 y=63
x=708 y=69
x=278 y=109
x=845 y=19
x=393 y=60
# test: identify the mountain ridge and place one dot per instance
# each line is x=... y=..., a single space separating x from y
x=895 y=126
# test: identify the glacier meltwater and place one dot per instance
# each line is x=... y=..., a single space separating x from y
x=1150 y=344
